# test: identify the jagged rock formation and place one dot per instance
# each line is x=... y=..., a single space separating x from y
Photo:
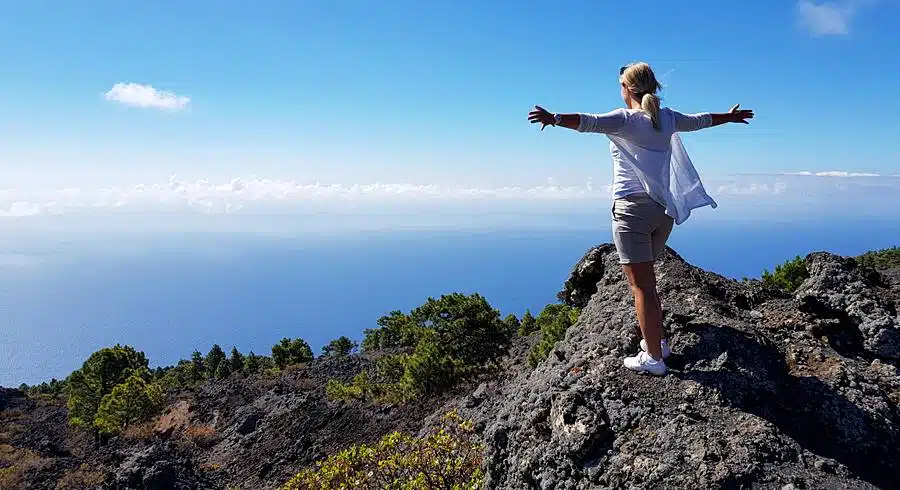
x=764 y=389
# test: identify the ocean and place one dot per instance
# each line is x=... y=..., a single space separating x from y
x=169 y=293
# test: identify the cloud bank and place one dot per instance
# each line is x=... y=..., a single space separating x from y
x=261 y=195
x=828 y=18
x=145 y=96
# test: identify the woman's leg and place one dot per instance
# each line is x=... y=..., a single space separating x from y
x=642 y=279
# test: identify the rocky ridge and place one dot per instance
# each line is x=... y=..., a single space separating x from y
x=764 y=390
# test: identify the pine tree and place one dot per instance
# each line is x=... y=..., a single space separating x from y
x=215 y=357
x=290 y=351
x=100 y=373
x=340 y=346
x=528 y=325
x=236 y=361
x=251 y=363
x=223 y=371
x=130 y=402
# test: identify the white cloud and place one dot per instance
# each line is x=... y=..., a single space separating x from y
x=260 y=195
x=828 y=18
x=145 y=96
x=835 y=173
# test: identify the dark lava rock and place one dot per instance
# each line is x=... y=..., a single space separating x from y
x=160 y=467
x=751 y=398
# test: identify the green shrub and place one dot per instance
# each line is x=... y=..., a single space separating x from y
x=552 y=322
x=450 y=337
x=100 y=373
x=880 y=259
x=449 y=457
x=365 y=388
x=291 y=351
x=131 y=402
x=788 y=275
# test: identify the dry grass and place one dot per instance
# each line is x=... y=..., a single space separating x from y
x=210 y=467
x=14 y=463
x=201 y=435
x=81 y=477
x=139 y=432
x=11 y=425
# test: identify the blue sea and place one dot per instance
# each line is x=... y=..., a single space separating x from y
x=169 y=293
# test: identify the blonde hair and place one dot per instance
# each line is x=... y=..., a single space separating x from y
x=639 y=79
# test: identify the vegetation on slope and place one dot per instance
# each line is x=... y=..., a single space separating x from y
x=788 y=275
x=439 y=343
x=552 y=322
x=880 y=259
x=448 y=456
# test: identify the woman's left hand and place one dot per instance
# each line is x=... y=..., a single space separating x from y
x=540 y=115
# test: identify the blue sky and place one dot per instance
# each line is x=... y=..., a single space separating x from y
x=425 y=93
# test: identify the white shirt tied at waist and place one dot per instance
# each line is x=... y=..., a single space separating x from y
x=651 y=161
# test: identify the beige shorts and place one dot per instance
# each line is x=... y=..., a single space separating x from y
x=640 y=228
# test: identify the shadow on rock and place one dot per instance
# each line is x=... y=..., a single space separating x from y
x=750 y=374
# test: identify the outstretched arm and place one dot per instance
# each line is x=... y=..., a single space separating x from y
x=609 y=122
x=702 y=120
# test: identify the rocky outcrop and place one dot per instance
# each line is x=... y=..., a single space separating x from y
x=764 y=388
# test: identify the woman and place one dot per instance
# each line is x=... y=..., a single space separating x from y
x=654 y=187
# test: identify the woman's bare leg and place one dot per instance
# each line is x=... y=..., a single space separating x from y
x=642 y=279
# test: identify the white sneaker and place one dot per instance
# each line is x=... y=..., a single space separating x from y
x=666 y=351
x=643 y=363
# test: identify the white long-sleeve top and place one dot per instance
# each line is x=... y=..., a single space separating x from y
x=651 y=161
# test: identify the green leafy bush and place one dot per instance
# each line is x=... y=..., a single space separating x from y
x=341 y=346
x=449 y=337
x=131 y=402
x=449 y=457
x=291 y=351
x=100 y=373
x=880 y=259
x=365 y=388
x=788 y=275
x=552 y=322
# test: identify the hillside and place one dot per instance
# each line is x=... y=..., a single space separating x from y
x=767 y=389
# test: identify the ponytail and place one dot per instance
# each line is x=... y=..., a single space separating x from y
x=650 y=105
x=639 y=79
